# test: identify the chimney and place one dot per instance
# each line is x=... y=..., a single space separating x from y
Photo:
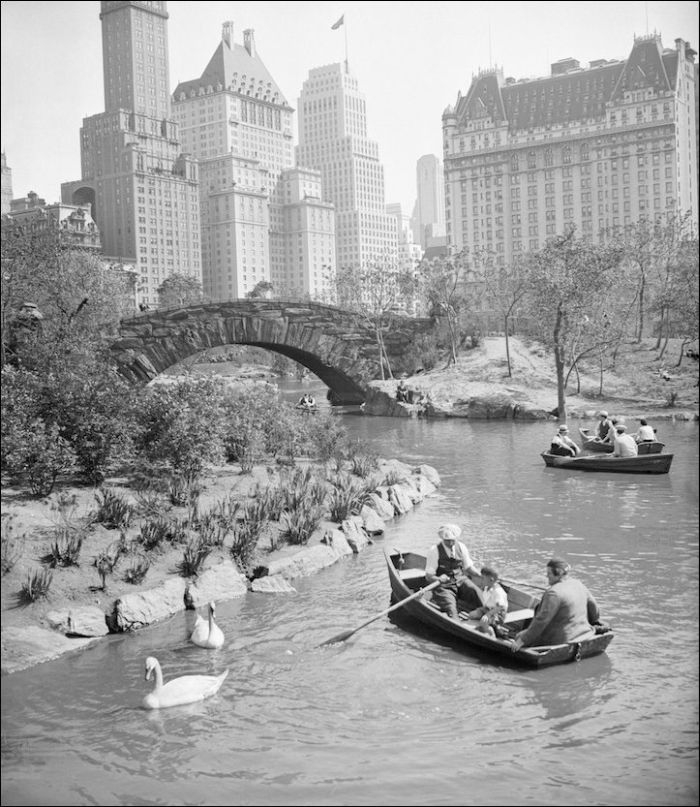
x=227 y=33
x=249 y=41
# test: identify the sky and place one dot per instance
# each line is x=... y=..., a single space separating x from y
x=410 y=59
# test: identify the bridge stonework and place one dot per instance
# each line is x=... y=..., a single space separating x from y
x=337 y=345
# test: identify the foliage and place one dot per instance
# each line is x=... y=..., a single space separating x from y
x=363 y=464
x=153 y=533
x=346 y=496
x=136 y=572
x=298 y=525
x=36 y=452
x=179 y=290
x=568 y=279
x=262 y=290
x=376 y=292
x=64 y=549
x=105 y=562
x=326 y=435
x=181 y=426
x=193 y=557
x=113 y=509
x=36 y=585
x=11 y=544
x=506 y=287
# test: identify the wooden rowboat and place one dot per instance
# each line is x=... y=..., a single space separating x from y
x=592 y=443
x=641 y=464
x=407 y=575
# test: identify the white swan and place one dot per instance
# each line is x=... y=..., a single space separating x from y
x=207 y=633
x=186 y=689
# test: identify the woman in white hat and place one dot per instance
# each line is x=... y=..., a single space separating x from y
x=562 y=445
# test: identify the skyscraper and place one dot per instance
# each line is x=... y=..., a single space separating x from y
x=598 y=148
x=430 y=200
x=333 y=139
x=6 y=185
x=262 y=219
x=143 y=190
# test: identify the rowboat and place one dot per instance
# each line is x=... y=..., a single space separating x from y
x=407 y=576
x=592 y=443
x=641 y=464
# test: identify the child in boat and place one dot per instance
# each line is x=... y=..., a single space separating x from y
x=492 y=612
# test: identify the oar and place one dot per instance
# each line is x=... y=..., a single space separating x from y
x=518 y=583
x=346 y=634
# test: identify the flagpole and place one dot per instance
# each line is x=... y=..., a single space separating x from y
x=345 y=31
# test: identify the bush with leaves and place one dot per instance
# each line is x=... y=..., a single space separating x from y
x=181 y=426
x=137 y=570
x=38 y=455
x=64 y=549
x=113 y=509
x=36 y=585
x=326 y=435
x=193 y=557
x=296 y=526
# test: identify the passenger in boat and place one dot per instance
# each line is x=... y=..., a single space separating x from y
x=624 y=445
x=402 y=393
x=492 y=612
x=449 y=562
x=562 y=445
x=307 y=401
x=603 y=427
x=644 y=434
x=566 y=612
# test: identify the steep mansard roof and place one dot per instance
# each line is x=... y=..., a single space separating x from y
x=577 y=95
x=236 y=69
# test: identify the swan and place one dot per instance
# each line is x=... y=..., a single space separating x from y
x=186 y=689
x=207 y=633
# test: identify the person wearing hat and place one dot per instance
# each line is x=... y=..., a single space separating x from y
x=449 y=562
x=566 y=612
x=603 y=427
x=562 y=445
x=624 y=445
x=492 y=612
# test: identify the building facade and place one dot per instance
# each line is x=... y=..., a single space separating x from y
x=235 y=120
x=74 y=223
x=598 y=148
x=6 y=185
x=143 y=189
x=429 y=212
x=333 y=140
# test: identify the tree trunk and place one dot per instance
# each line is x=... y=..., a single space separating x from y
x=510 y=374
x=600 y=364
x=640 y=332
x=559 y=365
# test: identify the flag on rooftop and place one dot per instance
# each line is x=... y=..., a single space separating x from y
x=339 y=23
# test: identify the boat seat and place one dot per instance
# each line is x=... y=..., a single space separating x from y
x=411 y=574
x=517 y=616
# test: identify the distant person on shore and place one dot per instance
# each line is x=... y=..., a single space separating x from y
x=562 y=445
x=402 y=391
x=566 y=612
x=624 y=445
x=449 y=562
x=491 y=614
x=644 y=434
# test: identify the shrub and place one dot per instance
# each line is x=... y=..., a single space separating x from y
x=150 y=503
x=196 y=552
x=297 y=525
x=226 y=511
x=38 y=455
x=393 y=477
x=12 y=544
x=138 y=569
x=153 y=533
x=272 y=502
x=113 y=509
x=36 y=585
x=346 y=497
x=326 y=435
x=671 y=398
x=363 y=465
x=301 y=487
x=210 y=529
x=64 y=549
x=184 y=492
x=246 y=533
x=106 y=562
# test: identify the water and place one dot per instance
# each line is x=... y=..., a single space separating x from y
x=390 y=717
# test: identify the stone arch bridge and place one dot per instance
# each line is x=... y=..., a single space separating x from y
x=336 y=345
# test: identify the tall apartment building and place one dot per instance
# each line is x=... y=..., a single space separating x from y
x=429 y=212
x=333 y=139
x=6 y=185
x=143 y=190
x=597 y=148
x=235 y=120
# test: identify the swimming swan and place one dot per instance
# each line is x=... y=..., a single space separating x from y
x=186 y=689
x=207 y=633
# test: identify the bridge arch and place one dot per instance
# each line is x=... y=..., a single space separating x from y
x=336 y=345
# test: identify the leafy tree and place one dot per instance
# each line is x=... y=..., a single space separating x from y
x=261 y=290
x=507 y=288
x=569 y=279
x=376 y=292
x=179 y=290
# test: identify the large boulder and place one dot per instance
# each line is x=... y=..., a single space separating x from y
x=142 y=608
x=84 y=621
x=221 y=582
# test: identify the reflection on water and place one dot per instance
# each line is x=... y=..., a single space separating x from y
x=392 y=716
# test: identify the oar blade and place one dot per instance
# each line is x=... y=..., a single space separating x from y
x=340 y=637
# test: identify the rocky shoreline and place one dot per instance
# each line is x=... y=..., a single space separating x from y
x=78 y=627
